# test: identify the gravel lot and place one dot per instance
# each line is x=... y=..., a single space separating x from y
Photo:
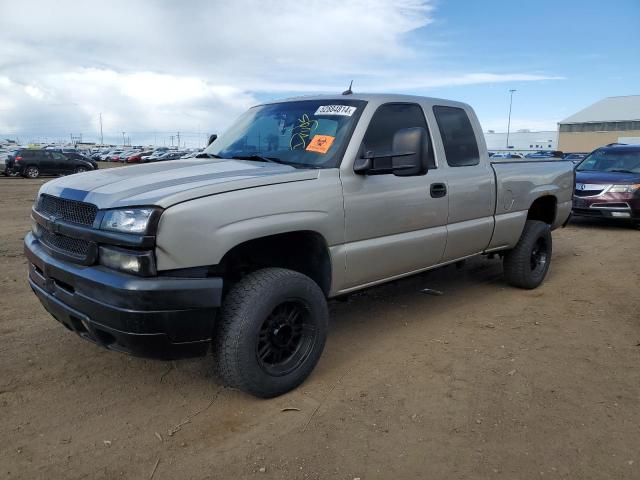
x=485 y=381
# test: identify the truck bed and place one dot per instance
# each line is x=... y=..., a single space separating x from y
x=521 y=182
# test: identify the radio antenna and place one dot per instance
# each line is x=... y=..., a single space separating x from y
x=348 y=91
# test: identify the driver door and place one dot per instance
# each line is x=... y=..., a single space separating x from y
x=394 y=225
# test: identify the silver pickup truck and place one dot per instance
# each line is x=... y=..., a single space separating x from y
x=299 y=201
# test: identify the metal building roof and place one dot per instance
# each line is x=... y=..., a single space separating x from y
x=610 y=109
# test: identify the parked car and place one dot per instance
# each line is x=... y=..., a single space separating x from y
x=506 y=155
x=110 y=155
x=608 y=184
x=4 y=162
x=158 y=152
x=32 y=163
x=171 y=155
x=302 y=200
x=79 y=156
x=576 y=158
x=545 y=154
x=126 y=154
x=137 y=157
x=193 y=154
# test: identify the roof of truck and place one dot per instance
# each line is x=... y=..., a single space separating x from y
x=369 y=97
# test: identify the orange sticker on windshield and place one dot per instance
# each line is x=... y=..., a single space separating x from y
x=320 y=143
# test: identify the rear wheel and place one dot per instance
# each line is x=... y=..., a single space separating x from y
x=271 y=332
x=527 y=264
x=31 y=171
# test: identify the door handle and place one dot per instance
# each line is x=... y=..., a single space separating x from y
x=438 y=190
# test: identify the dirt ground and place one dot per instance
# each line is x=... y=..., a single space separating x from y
x=485 y=381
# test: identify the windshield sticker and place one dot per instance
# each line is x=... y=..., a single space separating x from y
x=344 y=110
x=301 y=132
x=320 y=144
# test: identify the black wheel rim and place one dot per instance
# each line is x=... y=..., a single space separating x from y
x=539 y=256
x=286 y=338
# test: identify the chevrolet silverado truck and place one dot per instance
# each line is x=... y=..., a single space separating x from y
x=299 y=201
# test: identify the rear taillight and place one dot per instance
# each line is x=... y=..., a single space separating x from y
x=18 y=158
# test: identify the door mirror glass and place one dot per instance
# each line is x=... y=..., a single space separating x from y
x=212 y=138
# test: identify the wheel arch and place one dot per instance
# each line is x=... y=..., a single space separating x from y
x=544 y=208
x=304 y=251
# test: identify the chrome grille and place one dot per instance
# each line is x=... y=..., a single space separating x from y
x=68 y=210
x=587 y=193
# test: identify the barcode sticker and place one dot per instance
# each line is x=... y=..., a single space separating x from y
x=344 y=110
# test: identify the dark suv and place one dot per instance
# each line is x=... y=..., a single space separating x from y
x=74 y=155
x=608 y=183
x=32 y=163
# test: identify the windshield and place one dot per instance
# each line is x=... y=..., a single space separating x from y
x=611 y=161
x=305 y=133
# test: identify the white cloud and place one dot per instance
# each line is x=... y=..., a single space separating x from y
x=166 y=66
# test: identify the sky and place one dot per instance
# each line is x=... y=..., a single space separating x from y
x=155 y=68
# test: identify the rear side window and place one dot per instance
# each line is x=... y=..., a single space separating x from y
x=459 y=141
x=387 y=120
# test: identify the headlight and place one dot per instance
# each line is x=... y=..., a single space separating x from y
x=127 y=220
x=129 y=261
x=624 y=188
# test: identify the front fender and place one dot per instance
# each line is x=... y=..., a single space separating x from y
x=201 y=231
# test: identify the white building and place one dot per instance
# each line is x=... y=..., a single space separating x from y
x=522 y=141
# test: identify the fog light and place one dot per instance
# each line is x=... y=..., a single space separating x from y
x=621 y=214
x=138 y=263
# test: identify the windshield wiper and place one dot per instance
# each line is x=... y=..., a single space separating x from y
x=622 y=171
x=260 y=158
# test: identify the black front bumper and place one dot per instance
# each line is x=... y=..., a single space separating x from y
x=158 y=317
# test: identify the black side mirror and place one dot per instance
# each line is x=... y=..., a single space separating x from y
x=408 y=156
x=364 y=164
x=410 y=150
x=212 y=138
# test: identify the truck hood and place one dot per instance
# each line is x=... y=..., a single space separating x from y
x=607 y=177
x=167 y=183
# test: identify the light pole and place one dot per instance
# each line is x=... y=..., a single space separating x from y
x=123 y=138
x=509 y=123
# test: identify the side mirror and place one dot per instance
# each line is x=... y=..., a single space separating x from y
x=409 y=152
x=364 y=165
x=212 y=138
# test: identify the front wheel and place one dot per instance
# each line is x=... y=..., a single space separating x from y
x=32 y=171
x=526 y=265
x=271 y=332
x=80 y=169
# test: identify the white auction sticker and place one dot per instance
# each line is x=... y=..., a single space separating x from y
x=335 y=110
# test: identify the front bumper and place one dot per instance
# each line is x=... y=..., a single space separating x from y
x=158 y=317
x=621 y=206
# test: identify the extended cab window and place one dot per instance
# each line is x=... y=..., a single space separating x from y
x=460 y=145
x=386 y=121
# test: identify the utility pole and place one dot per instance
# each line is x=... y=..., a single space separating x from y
x=178 y=140
x=101 y=136
x=509 y=123
x=123 y=138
